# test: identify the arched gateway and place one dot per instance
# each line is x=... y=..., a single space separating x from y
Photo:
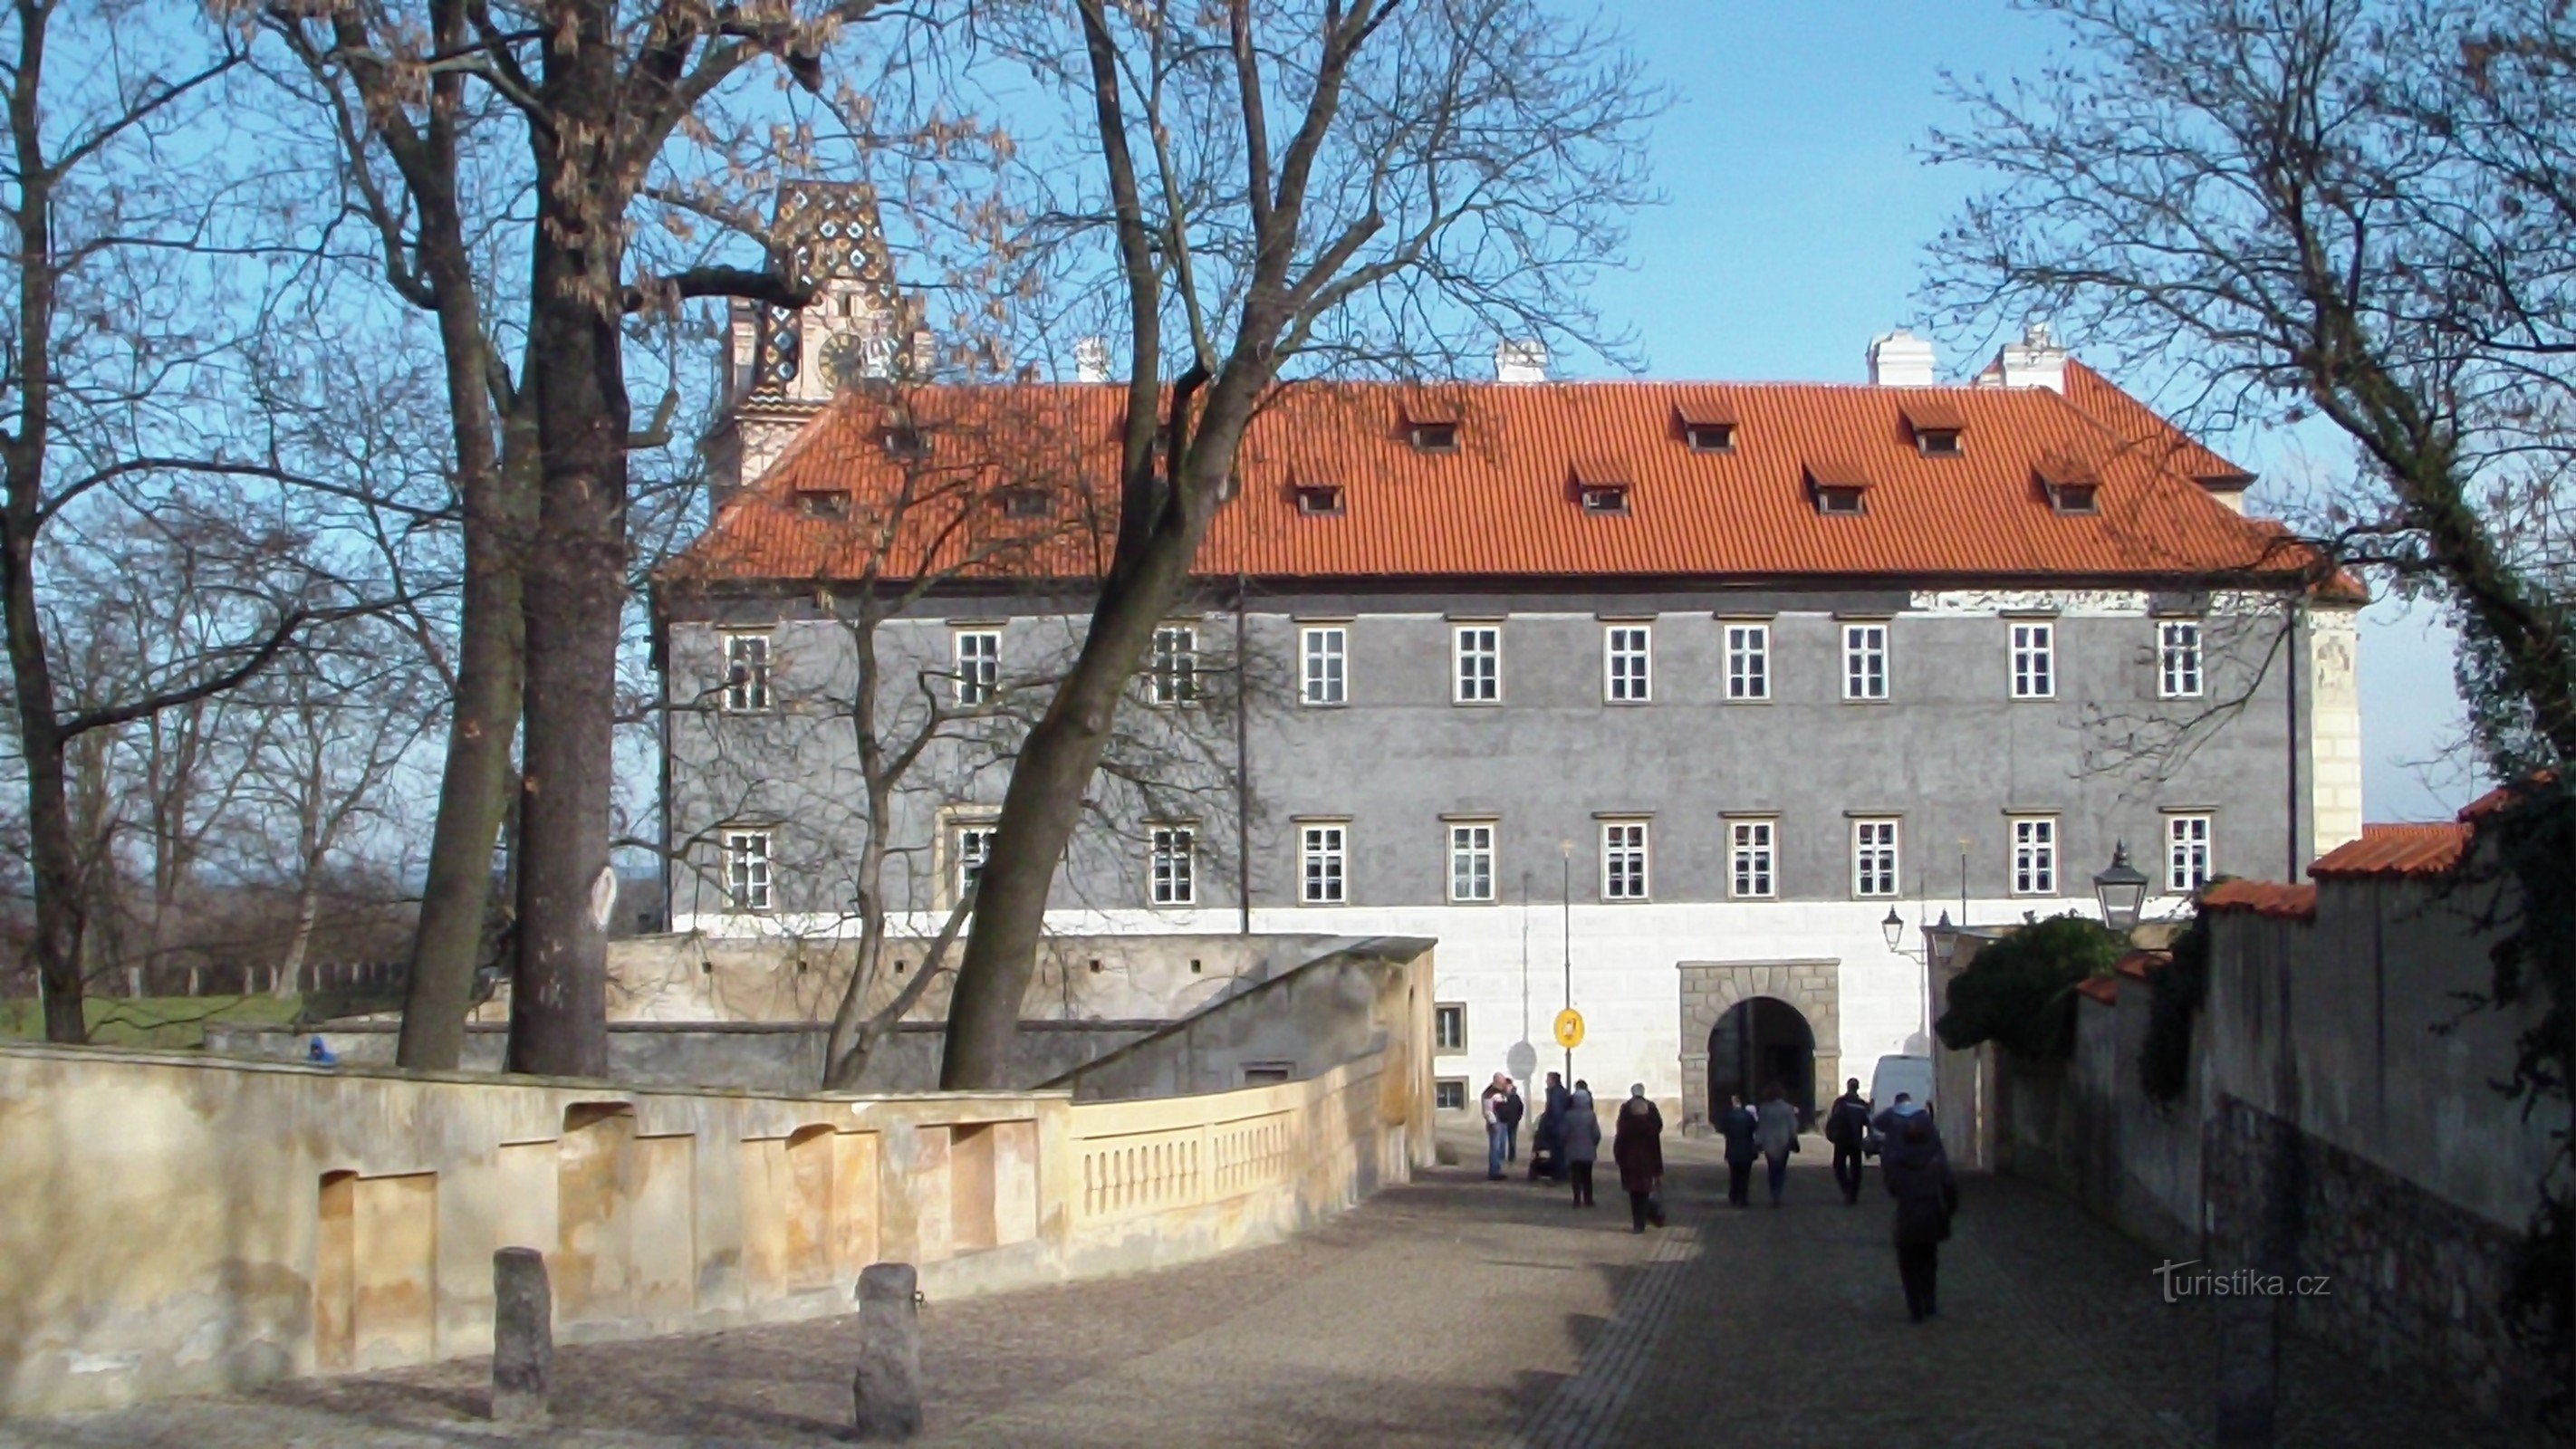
x=1789 y=1028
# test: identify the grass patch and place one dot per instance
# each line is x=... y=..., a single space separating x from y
x=153 y=1021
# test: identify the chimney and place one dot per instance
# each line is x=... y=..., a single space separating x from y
x=1900 y=359
x=1524 y=360
x=2035 y=361
x=1091 y=360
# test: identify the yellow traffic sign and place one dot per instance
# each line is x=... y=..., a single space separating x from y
x=1569 y=1028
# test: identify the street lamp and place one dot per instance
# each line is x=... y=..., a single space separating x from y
x=2121 y=890
x=1894 y=929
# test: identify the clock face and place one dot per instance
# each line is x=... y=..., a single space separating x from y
x=846 y=359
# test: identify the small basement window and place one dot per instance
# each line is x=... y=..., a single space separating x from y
x=823 y=502
x=904 y=442
x=1605 y=498
x=1434 y=437
x=1026 y=503
x=1319 y=499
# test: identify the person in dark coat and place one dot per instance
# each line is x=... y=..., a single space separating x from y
x=1637 y=1145
x=1579 y=1134
x=1508 y=1112
x=1919 y=1178
x=1847 y=1128
x=1547 y=1139
x=1738 y=1126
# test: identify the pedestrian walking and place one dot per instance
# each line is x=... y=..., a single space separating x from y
x=1736 y=1125
x=1637 y=1145
x=1508 y=1112
x=1547 y=1139
x=1847 y=1128
x=1491 y=1099
x=1776 y=1131
x=1919 y=1178
x=1579 y=1132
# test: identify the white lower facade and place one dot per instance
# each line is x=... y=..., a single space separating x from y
x=1512 y=968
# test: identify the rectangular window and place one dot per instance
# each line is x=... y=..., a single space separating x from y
x=1449 y=1094
x=1326 y=653
x=2178 y=658
x=2034 y=661
x=1864 y=661
x=1480 y=664
x=1471 y=862
x=1175 y=865
x=2034 y=856
x=1623 y=860
x=1449 y=1027
x=1630 y=655
x=1176 y=666
x=746 y=686
x=974 y=847
x=979 y=666
x=1324 y=850
x=2186 y=853
x=1873 y=857
x=1750 y=850
x=747 y=879
x=1748 y=661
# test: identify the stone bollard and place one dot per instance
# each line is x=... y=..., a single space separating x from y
x=523 y=1336
x=888 y=1387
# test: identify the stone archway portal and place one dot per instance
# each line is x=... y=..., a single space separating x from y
x=1709 y=989
x=1760 y=1042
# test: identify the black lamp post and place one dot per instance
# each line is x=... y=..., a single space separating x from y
x=1894 y=929
x=2121 y=889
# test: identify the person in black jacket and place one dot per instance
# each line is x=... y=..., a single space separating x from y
x=1508 y=1112
x=1847 y=1128
x=1637 y=1145
x=1918 y=1177
x=1736 y=1124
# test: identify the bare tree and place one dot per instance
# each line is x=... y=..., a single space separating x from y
x=1269 y=189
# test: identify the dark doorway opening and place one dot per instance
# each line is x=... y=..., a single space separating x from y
x=1757 y=1043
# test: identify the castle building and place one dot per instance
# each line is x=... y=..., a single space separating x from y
x=1690 y=705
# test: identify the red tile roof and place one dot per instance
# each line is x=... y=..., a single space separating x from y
x=2396 y=850
x=1500 y=506
x=2139 y=965
x=2263 y=897
x=2104 y=989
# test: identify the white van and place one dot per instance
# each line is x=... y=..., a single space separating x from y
x=1910 y=1075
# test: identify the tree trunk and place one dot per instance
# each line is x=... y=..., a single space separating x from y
x=574 y=588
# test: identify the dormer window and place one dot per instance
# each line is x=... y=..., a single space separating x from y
x=1433 y=437
x=1937 y=425
x=1026 y=503
x=1317 y=500
x=1707 y=427
x=1605 y=497
x=823 y=503
x=2073 y=487
x=904 y=442
x=1838 y=488
x=1601 y=487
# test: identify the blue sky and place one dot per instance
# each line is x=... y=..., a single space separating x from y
x=1794 y=233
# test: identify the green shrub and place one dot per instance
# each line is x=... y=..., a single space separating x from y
x=2020 y=992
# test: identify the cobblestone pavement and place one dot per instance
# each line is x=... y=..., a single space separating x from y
x=1453 y=1311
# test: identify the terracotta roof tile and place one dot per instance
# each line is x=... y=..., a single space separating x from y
x=2104 y=989
x=1930 y=411
x=2396 y=850
x=1499 y=507
x=2139 y=965
x=2263 y=897
x=2503 y=796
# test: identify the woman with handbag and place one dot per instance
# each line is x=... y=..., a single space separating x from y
x=1637 y=1145
x=1918 y=1177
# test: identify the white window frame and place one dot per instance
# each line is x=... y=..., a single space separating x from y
x=979 y=666
x=2189 y=840
x=746 y=671
x=970 y=845
x=1172 y=665
x=1446 y=1086
x=1471 y=847
x=1323 y=862
x=750 y=871
x=1748 y=662
x=1625 y=861
x=1324 y=671
x=1753 y=859
x=2035 y=855
x=1628 y=663
x=1172 y=864
x=2034 y=658
x=2179 y=660
x=1877 y=857
x=1476 y=664
x=1444 y=1043
x=1865 y=661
